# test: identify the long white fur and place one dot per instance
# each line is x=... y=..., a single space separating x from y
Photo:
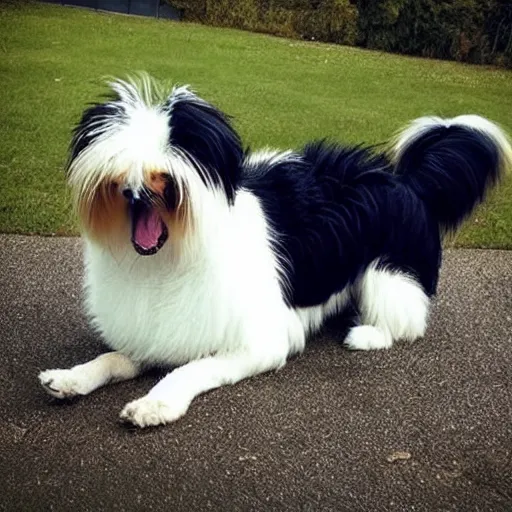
x=211 y=303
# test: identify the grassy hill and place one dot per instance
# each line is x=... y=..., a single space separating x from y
x=54 y=61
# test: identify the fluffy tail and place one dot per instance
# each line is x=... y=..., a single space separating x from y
x=452 y=163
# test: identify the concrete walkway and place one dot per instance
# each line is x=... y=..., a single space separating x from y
x=317 y=435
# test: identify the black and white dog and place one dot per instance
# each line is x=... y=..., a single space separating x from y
x=222 y=262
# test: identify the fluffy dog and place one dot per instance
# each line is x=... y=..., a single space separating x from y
x=222 y=262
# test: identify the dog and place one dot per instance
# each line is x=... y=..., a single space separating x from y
x=220 y=262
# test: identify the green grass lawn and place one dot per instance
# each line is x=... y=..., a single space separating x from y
x=54 y=61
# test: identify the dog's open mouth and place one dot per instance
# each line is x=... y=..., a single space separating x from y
x=149 y=232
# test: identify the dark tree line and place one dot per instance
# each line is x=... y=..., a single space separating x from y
x=478 y=31
x=468 y=30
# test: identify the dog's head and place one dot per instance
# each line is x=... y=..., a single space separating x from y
x=144 y=163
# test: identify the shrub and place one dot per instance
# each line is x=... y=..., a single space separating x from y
x=323 y=20
x=477 y=31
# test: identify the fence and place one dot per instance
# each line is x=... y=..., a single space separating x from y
x=154 y=8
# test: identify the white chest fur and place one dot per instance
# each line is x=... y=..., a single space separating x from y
x=150 y=313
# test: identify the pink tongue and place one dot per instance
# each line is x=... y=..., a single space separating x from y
x=148 y=229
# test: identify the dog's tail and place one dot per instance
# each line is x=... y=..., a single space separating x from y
x=452 y=163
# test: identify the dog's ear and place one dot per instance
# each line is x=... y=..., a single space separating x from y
x=205 y=134
x=95 y=121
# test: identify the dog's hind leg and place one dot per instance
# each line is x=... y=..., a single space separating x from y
x=393 y=306
x=85 y=378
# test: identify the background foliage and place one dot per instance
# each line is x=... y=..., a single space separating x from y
x=477 y=31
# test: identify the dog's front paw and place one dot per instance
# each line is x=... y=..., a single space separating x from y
x=61 y=383
x=149 y=412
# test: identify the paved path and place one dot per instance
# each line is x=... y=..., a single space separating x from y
x=313 y=436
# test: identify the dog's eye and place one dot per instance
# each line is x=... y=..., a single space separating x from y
x=171 y=195
x=128 y=194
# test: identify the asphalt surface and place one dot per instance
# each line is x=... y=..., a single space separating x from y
x=317 y=435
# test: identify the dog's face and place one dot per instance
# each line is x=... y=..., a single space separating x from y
x=142 y=162
x=119 y=208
